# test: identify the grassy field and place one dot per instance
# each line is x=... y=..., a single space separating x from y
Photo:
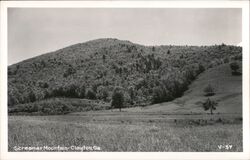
x=126 y=131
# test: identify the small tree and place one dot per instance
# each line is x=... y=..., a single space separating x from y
x=209 y=90
x=117 y=99
x=153 y=48
x=210 y=105
x=90 y=94
x=103 y=57
x=131 y=93
x=105 y=95
x=235 y=68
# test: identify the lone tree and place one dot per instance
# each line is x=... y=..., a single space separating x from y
x=209 y=90
x=210 y=105
x=235 y=68
x=117 y=99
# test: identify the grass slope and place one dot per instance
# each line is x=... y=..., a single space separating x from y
x=228 y=91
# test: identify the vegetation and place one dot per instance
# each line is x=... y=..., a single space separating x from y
x=90 y=94
x=209 y=90
x=55 y=106
x=210 y=105
x=117 y=99
x=91 y=70
x=235 y=68
x=137 y=132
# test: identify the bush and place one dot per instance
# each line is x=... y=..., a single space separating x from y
x=209 y=91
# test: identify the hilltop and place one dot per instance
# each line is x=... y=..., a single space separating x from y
x=92 y=70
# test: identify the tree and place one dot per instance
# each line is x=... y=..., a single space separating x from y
x=102 y=93
x=90 y=94
x=235 y=68
x=69 y=71
x=210 y=105
x=81 y=91
x=103 y=57
x=168 y=52
x=201 y=69
x=158 y=95
x=70 y=91
x=209 y=90
x=32 y=96
x=131 y=94
x=117 y=99
x=105 y=95
x=153 y=48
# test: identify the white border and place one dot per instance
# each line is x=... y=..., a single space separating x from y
x=4 y=154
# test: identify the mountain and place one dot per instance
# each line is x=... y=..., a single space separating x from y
x=94 y=69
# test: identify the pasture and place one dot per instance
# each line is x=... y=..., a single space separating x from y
x=129 y=131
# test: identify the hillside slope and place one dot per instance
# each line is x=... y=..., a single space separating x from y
x=228 y=89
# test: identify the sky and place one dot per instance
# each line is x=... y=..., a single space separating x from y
x=35 y=31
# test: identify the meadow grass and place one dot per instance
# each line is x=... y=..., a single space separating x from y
x=121 y=136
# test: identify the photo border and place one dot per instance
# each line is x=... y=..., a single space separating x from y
x=123 y=155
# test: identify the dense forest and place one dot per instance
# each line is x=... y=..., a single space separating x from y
x=84 y=76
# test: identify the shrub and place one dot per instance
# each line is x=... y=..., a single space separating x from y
x=209 y=90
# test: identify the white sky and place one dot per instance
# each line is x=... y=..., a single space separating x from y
x=32 y=32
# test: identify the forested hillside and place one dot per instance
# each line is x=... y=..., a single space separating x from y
x=94 y=69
